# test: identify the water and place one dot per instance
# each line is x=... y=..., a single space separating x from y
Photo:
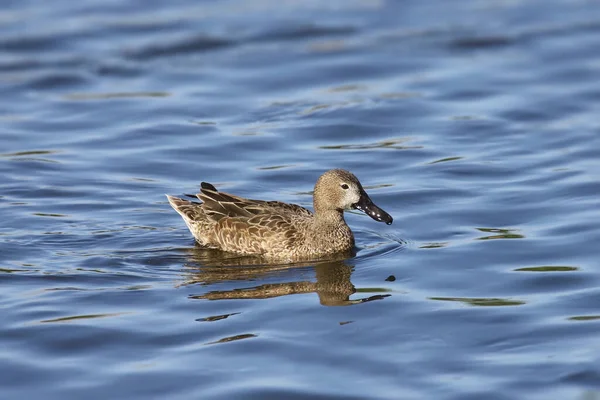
x=474 y=124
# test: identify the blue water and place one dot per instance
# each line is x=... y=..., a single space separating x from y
x=475 y=124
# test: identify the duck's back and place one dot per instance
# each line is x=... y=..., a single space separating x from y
x=217 y=205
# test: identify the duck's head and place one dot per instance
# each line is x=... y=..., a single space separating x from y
x=338 y=189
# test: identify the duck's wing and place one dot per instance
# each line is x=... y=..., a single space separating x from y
x=258 y=235
x=278 y=207
x=217 y=205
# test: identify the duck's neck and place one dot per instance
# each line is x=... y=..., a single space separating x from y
x=331 y=226
x=329 y=217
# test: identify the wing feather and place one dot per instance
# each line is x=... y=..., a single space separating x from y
x=218 y=205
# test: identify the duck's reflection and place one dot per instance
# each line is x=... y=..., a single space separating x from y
x=333 y=284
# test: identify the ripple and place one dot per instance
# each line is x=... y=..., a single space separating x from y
x=234 y=338
x=186 y=45
x=549 y=268
x=396 y=144
x=29 y=43
x=272 y=167
x=434 y=245
x=500 y=234
x=304 y=32
x=52 y=80
x=29 y=153
x=51 y=215
x=585 y=318
x=481 y=42
x=446 y=159
x=216 y=317
x=472 y=133
x=347 y=88
x=117 y=95
x=76 y=318
x=481 y=302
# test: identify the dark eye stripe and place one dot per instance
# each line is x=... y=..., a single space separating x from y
x=344 y=186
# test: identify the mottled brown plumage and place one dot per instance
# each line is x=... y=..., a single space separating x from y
x=275 y=229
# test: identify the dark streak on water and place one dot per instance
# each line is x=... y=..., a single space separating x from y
x=474 y=123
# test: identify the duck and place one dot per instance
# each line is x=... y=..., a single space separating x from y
x=278 y=230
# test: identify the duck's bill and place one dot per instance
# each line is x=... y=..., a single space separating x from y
x=368 y=207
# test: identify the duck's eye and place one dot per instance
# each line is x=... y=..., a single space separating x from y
x=344 y=186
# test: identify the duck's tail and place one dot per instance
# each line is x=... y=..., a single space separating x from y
x=191 y=212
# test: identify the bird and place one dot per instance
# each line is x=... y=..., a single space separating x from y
x=278 y=230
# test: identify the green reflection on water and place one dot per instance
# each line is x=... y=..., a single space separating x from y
x=584 y=318
x=26 y=156
x=10 y=271
x=28 y=153
x=434 y=245
x=234 y=338
x=373 y=290
x=78 y=317
x=214 y=318
x=386 y=144
x=275 y=167
x=548 y=268
x=500 y=234
x=483 y=302
x=447 y=159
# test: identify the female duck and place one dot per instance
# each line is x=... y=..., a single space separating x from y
x=279 y=230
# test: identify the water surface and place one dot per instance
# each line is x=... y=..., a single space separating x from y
x=474 y=124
